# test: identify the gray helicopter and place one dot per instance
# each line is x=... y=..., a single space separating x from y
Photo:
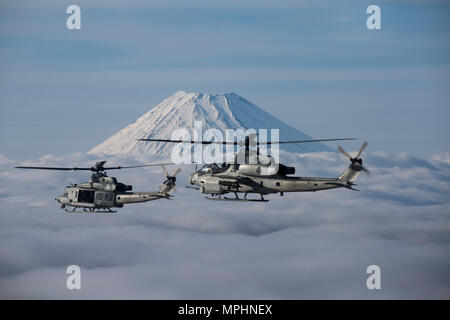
x=102 y=193
x=260 y=174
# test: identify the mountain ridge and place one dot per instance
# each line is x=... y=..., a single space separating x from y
x=182 y=109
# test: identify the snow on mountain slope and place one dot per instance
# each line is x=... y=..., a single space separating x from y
x=220 y=111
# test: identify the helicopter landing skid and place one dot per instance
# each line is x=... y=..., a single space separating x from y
x=219 y=198
x=232 y=199
x=90 y=210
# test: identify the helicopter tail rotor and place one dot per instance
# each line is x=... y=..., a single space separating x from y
x=169 y=183
x=356 y=161
x=356 y=165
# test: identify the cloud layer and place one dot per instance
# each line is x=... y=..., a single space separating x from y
x=310 y=245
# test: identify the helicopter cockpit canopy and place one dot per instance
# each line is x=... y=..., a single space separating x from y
x=213 y=168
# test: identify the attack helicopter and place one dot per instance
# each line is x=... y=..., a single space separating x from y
x=102 y=193
x=260 y=174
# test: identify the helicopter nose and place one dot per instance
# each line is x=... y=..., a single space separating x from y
x=193 y=178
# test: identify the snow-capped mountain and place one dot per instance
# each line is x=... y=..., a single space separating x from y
x=220 y=111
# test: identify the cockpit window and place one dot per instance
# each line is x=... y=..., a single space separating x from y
x=205 y=169
x=213 y=168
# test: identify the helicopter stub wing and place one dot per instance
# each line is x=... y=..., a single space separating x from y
x=235 y=183
x=234 y=179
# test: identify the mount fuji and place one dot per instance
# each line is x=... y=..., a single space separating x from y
x=219 y=111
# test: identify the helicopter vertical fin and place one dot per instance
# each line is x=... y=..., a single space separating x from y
x=169 y=183
x=349 y=175
x=165 y=188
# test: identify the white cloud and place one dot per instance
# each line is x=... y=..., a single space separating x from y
x=445 y=157
x=308 y=245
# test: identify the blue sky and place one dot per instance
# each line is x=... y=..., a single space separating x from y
x=312 y=64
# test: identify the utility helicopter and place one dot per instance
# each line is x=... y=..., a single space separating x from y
x=102 y=193
x=260 y=174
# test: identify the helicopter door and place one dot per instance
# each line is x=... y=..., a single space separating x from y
x=104 y=198
x=99 y=198
x=86 y=196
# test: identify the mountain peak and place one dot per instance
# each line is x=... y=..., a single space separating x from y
x=182 y=109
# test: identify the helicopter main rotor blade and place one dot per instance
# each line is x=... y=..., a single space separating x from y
x=241 y=142
x=138 y=166
x=97 y=168
x=308 y=141
x=189 y=141
x=52 y=168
